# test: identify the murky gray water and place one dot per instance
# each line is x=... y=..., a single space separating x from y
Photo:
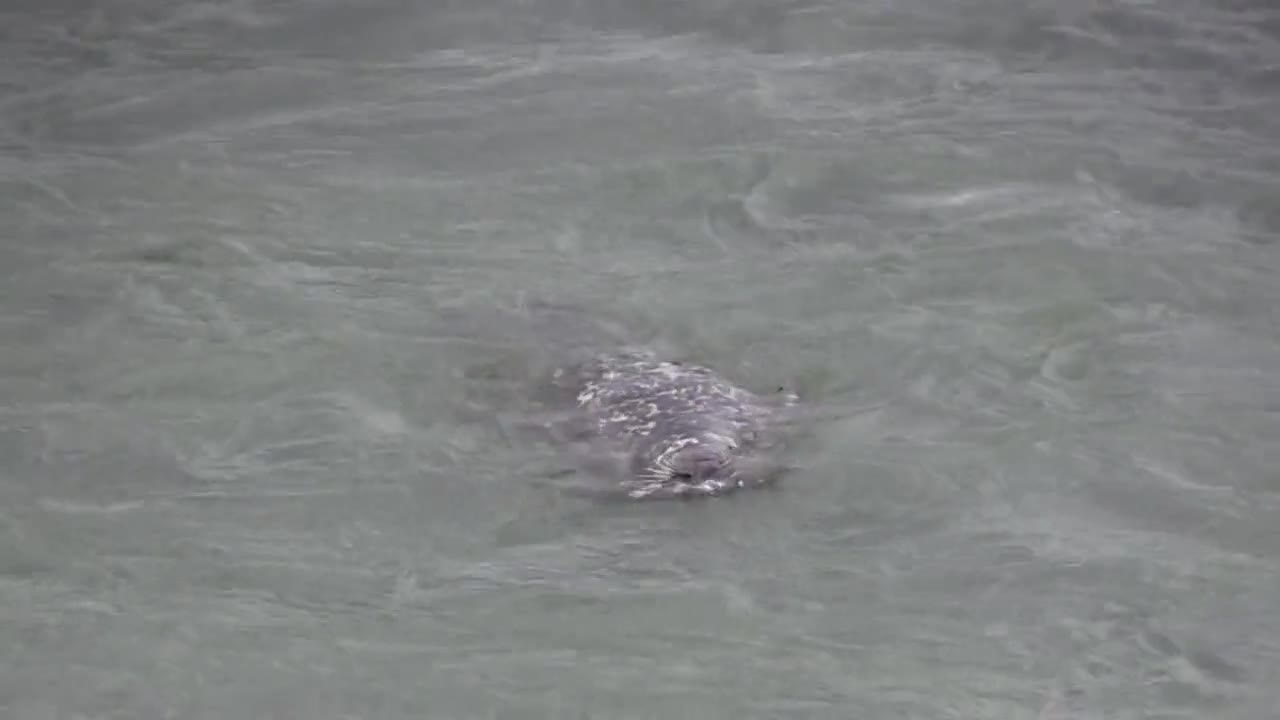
x=264 y=278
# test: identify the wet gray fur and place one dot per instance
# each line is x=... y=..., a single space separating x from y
x=681 y=430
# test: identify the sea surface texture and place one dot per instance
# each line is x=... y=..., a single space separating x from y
x=280 y=281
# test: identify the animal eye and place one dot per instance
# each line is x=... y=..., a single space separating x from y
x=682 y=476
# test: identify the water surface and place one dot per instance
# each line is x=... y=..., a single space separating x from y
x=264 y=291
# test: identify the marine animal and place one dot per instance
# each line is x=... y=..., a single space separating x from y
x=677 y=430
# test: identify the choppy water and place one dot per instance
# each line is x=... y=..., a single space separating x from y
x=261 y=278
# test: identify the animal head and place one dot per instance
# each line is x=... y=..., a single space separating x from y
x=703 y=464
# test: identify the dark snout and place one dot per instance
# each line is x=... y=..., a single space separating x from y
x=701 y=462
